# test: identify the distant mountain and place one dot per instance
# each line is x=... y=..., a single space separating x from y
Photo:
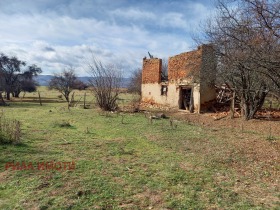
x=43 y=80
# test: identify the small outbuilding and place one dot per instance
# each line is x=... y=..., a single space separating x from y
x=190 y=83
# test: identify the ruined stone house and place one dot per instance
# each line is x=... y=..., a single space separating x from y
x=190 y=80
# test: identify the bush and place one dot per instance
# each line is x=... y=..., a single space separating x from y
x=63 y=124
x=106 y=82
x=10 y=131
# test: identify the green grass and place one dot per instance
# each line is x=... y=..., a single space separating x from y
x=129 y=165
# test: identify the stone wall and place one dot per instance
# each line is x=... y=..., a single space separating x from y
x=207 y=76
x=151 y=70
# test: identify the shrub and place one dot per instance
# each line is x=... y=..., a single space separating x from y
x=63 y=124
x=10 y=131
x=106 y=82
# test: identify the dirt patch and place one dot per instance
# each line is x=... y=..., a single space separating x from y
x=251 y=149
x=259 y=125
x=149 y=199
x=4 y=176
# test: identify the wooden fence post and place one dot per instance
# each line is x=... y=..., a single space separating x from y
x=40 y=98
x=232 y=104
x=85 y=100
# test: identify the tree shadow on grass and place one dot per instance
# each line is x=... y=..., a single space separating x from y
x=32 y=105
x=47 y=100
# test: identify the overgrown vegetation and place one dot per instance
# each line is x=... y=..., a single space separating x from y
x=106 y=83
x=10 y=130
x=134 y=85
x=246 y=37
x=63 y=124
x=132 y=163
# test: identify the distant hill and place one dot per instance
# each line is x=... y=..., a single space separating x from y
x=43 y=80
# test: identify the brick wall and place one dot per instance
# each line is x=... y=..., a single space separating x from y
x=184 y=65
x=196 y=69
x=151 y=70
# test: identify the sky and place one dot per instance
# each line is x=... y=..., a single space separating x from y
x=56 y=34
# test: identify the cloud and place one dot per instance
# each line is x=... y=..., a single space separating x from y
x=174 y=20
x=181 y=15
x=49 y=49
x=169 y=19
x=55 y=34
x=134 y=14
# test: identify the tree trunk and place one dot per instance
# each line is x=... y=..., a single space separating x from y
x=8 y=95
x=249 y=112
x=16 y=94
x=251 y=105
x=67 y=97
x=246 y=111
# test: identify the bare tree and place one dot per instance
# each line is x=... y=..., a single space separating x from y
x=134 y=85
x=247 y=52
x=106 y=83
x=64 y=82
x=266 y=19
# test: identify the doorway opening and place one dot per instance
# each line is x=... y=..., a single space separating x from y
x=186 y=99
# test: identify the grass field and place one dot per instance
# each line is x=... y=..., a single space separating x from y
x=122 y=161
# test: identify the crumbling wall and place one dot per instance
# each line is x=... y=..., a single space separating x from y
x=195 y=69
x=184 y=66
x=207 y=76
x=151 y=70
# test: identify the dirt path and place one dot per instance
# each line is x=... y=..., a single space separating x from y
x=262 y=126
